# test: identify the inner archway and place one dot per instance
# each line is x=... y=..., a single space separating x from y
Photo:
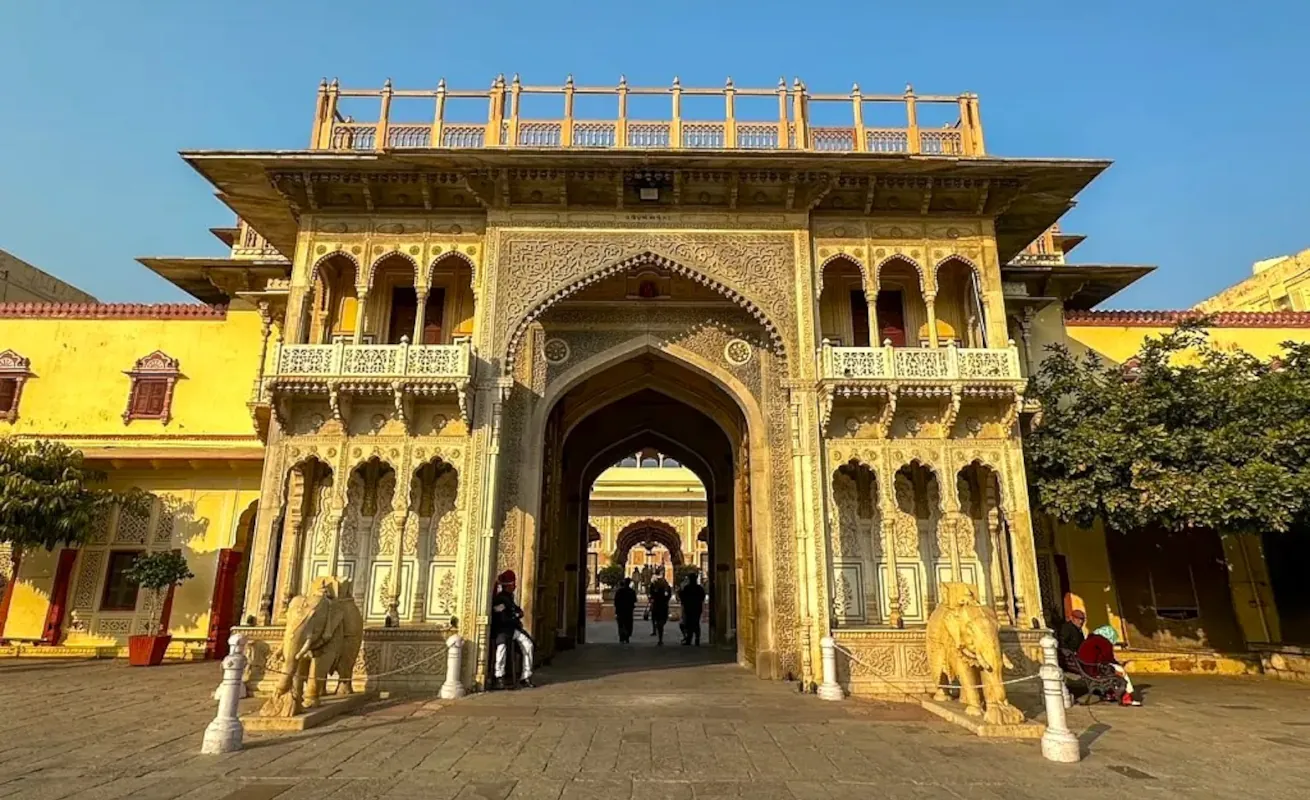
x=648 y=401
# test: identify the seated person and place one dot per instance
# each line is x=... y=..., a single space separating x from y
x=1097 y=655
x=1069 y=634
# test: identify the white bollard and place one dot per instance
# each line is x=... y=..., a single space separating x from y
x=453 y=689
x=830 y=689
x=224 y=734
x=1058 y=742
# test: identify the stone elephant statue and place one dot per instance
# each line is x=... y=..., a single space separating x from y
x=964 y=644
x=324 y=632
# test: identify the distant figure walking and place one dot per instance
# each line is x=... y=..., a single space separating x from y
x=660 y=594
x=625 y=602
x=692 y=597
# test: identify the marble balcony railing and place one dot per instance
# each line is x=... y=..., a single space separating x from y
x=931 y=364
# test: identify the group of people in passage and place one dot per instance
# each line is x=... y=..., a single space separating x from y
x=659 y=594
x=1094 y=654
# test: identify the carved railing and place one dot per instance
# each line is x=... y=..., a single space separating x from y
x=783 y=125
x=373 y=361
x=947 y=363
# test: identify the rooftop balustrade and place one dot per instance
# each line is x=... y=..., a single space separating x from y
x=506 y=127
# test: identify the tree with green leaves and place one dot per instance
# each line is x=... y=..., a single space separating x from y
x=48 y=496
x=1184 y=435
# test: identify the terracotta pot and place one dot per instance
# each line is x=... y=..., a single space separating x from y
x=606 y=595
x=147 y=651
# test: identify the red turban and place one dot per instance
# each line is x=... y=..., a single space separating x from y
x=507 y=578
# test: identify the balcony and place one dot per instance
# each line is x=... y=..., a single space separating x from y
x=921 y=365
x=342 y=370
x=784 y=125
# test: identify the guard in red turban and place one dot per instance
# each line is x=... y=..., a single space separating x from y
x=507 y=626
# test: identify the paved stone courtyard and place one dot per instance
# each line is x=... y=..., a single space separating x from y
x=612 y=722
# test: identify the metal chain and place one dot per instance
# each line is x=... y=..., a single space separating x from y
x=891 y=683
x=373 y=675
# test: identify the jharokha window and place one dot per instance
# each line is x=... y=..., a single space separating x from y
x=14 y=372
x=151 y=396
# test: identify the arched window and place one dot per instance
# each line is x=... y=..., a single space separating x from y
x=629 y=461
x=671 y=462
x=650 y=458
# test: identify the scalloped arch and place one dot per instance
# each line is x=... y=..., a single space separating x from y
x=981 y=460
x=456 y=254
x=647 y=258
x=923 y=276
x=367 y=280
x=963 y=259
x=869 y=282
x=666 y=534
x=313 y=271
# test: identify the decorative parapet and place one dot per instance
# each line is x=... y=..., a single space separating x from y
x=791 y=129
x=143 y=311
x=340 y=370
x=1171 y=319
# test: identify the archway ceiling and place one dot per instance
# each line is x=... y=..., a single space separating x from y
x=648 y=418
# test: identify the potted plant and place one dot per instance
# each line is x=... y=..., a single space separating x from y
x=157 y=573
x=609 y=577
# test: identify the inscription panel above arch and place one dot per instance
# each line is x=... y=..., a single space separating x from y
x=534 y=266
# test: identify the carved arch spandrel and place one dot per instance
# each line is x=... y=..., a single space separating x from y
x=535 y=271
x=869 y=279
x=441 y=254
x=327 y=256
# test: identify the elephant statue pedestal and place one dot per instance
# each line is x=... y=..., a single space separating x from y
x=964 y=644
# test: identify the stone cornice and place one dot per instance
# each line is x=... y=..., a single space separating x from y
x=1169 y=319
x=142 y=311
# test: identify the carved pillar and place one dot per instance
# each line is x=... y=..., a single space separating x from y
x=1026 y=334
x=810 y=549
x=930 y=303
x=422 y=294
x=422 y=553
x=949 y=523
x=399 y=507
x=871 y=303
x=361 y=302
x=262 y=550
x=301 y=505
x=493 y=398
x=894 y=616
x=1027 y=589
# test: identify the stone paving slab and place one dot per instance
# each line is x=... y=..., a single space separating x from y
x=612 y=722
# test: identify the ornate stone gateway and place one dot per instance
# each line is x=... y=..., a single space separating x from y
x=477 y=319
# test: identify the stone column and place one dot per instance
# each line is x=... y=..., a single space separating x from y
x=262 y=550
x=1027 y=589
x=360 y=303
x=493 y=398
x=422 y=564
x=399 y=507
x=930 y=303
x=422 y=295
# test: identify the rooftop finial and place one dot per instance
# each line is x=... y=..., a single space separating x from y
x=386 y=85
x=796 y=84
x=441 y=85
x=516 y=80
x=677 y=82
x=909 y=88
x=728 y=85
x=322 y=84
x=623 y=81
x=335 y=83
x=855 y=88
x=569 y=81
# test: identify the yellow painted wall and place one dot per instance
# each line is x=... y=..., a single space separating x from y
x=78 y=387
x=1090 y=580
x=1120 y=343
x=1253 y=597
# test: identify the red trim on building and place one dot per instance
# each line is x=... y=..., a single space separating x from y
x=191 y=311
x=54 y=618
x=1169 y=319
x=221 y=613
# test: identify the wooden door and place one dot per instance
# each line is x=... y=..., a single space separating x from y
x=404 y=311
x=891 y=317
x=432 y=314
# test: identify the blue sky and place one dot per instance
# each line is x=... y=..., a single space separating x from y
x=1203 y=106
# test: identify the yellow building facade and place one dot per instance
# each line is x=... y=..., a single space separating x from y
x=434 y=346
x=156 y=397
